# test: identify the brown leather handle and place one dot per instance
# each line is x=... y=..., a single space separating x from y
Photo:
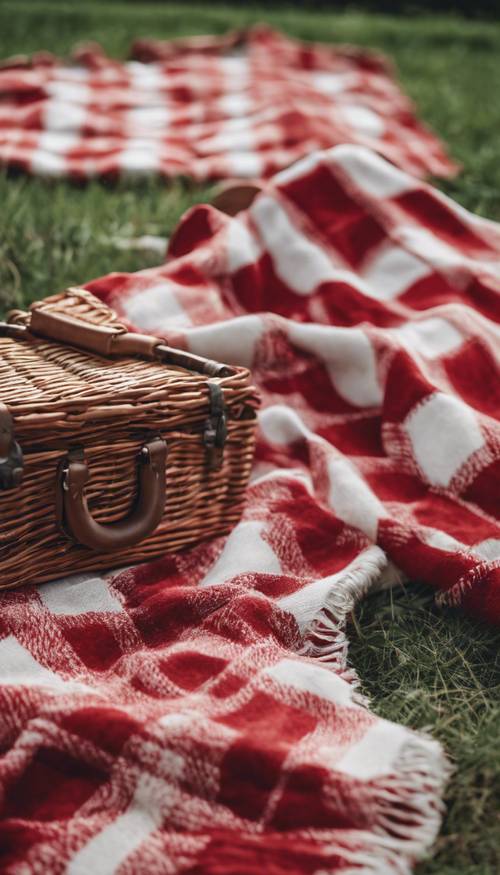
x=109 y=340
x=143 y=519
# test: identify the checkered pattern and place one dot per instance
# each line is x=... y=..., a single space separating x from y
x=197 y=714
x=244 y=105
x=189 y=716
x=366 y=304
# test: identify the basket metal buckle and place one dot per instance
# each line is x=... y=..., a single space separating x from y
x=215 y=430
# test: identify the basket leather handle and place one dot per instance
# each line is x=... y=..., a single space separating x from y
x=111 y=340
x=144 y=518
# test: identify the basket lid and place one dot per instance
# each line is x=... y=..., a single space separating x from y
x=69 y=364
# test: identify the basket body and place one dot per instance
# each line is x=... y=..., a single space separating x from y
x=62 y=399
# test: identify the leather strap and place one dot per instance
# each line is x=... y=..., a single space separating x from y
x=76 y=519
x=112 y=340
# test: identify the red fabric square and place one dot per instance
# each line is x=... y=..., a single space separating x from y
x=53 y=786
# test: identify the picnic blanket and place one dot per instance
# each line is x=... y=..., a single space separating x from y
x=246 y=105
x=197 y=714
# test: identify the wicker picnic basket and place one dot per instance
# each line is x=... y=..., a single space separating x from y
x=114 y=447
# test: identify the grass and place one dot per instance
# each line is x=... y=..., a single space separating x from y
x=440 y=672
x=422 y=667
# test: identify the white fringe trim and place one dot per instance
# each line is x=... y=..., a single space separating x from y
x=408 y=801
x=409 y=809
x=325 y=638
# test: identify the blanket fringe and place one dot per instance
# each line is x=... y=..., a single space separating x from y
x=325 y=638
x=409 y=810
x=408 y=801
x=423 y=772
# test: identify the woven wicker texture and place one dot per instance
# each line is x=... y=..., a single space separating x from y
x=61 y=397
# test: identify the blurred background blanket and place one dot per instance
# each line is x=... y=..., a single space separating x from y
x=244 y=105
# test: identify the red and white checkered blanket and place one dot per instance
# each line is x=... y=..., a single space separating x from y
x=197 y=714
x=245 y=105
x=367 y=305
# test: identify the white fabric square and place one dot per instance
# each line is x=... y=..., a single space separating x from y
x=235 y=105
x=231 y=139
x=392 y=271
x=244 y=164
x=48 y=164
x=243 y=247
x=146 y=76
x=234 y=67
x=148 y=118
x=59 y=115
x=70 y=92
x=349 y=358
x=155 y=307
x=282 y=425
x=377 y=752
x=141 y=157
x=351 y=499
x=245 y=552
x=297 y=261
x=430 y=247
x=48 y=158
x=431 y=337
x=369 y=172
x=20 y=668
x=233 y=342
x=313 y=679
x=300 y=169
x=444 y=432
x=333 y=83
x=363 y=120
x=79 y=595
x=488 y=549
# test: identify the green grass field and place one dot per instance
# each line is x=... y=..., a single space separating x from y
x=426 y=668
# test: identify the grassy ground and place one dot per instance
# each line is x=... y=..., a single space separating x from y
x=422 y=667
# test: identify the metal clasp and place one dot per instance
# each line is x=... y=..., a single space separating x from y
x=215 y=431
